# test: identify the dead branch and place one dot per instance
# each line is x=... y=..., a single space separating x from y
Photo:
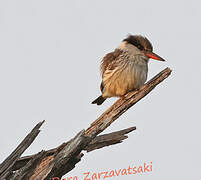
x=8 y=163
x=97 y=143
x=108 y=139
x=123 y=104
x=58 y=161
x=27 y=164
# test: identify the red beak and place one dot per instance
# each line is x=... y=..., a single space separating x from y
x=154 y=56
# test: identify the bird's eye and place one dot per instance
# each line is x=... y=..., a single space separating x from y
x=140 y=47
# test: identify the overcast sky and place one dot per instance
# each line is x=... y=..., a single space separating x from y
x=50 y=52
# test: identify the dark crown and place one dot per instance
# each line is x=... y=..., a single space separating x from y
x=142 y=43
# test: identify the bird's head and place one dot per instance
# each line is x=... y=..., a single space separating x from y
x=144 y=45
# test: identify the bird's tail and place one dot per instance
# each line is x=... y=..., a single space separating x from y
x=99 y=100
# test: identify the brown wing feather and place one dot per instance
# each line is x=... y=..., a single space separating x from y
x=109 y=59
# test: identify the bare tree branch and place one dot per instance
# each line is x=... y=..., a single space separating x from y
x=97 y=143
x=123 y=104
x=8 y=163
x=58 y=161
x=108 y=139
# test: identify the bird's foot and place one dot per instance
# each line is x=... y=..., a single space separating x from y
x=137 y=89
x=122 y=97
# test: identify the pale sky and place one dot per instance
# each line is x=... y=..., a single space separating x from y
x=50 y=52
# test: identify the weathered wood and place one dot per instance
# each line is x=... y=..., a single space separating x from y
x=121 y=106
x=98 y=142
x=124 y=103
x=63 y=161
x=108 y=139
x=29 y=169
x=8 y=163
x=58 y=161
x=41 y=164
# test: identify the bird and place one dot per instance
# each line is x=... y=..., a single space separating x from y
x=125 y=69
